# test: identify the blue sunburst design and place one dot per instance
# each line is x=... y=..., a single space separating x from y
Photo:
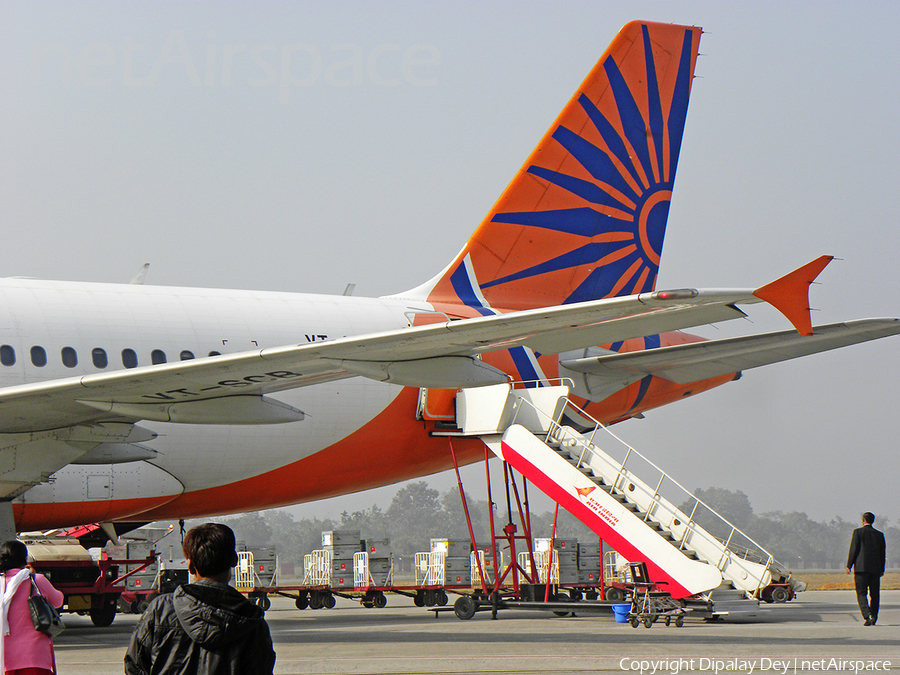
x=627 y=196
x=466 y=287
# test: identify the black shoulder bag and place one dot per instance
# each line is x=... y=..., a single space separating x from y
x=44 y=615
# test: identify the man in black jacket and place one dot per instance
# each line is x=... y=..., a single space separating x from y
x=203 y=628
x=866 y=559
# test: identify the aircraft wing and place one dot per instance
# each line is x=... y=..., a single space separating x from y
x=701 y=360
x=231 y=389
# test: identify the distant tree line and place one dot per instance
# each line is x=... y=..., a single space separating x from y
x=419 y=513
x=416 y=515
x=792 y=537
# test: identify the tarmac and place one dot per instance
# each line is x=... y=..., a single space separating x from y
x=819 y=631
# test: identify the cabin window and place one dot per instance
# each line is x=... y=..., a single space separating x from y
x=187 y=355
x=157 y=356
x=39 y=356
x=69 y=357
x=7 y=355
x=129 y=358
x=98 y=356
x=215 y=353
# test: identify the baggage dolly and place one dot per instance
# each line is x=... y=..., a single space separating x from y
x=648 y=604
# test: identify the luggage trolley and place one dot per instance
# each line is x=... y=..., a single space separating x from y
x=648 y=604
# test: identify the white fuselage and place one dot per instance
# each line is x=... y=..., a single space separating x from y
x=62 y=319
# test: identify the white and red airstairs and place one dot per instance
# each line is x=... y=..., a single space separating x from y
x=533 y=430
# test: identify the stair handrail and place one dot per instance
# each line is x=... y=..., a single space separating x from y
x=556 y=430
x=766 y=558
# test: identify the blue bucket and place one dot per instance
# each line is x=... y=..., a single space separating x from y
x=621 y=612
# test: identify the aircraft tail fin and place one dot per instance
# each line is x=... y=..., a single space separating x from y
x=586 y=215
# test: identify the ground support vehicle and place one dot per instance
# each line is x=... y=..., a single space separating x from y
x=782 y=592
x=91 y=587
x=531 y=580
x=136 y=601
x=561 y=602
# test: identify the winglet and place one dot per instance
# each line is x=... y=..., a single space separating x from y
x=790 y=294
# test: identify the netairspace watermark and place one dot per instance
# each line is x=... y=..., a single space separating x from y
x=285 y=67
x=788 y=666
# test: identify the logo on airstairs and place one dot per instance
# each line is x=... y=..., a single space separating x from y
x=599 y=509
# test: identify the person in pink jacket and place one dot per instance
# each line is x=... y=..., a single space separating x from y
x=23 y=650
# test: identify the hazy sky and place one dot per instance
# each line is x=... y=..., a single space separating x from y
x=302 y=146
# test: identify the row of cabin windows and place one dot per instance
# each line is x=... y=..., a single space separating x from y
x=69 y=356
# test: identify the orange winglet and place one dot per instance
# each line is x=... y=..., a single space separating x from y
x=790 y=294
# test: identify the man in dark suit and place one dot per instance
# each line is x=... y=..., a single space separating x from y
x=866 y=559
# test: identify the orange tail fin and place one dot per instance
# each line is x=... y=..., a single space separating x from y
x=586 y=215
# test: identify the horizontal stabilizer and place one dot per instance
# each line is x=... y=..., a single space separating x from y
x=700 y=360
x=790 y=294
